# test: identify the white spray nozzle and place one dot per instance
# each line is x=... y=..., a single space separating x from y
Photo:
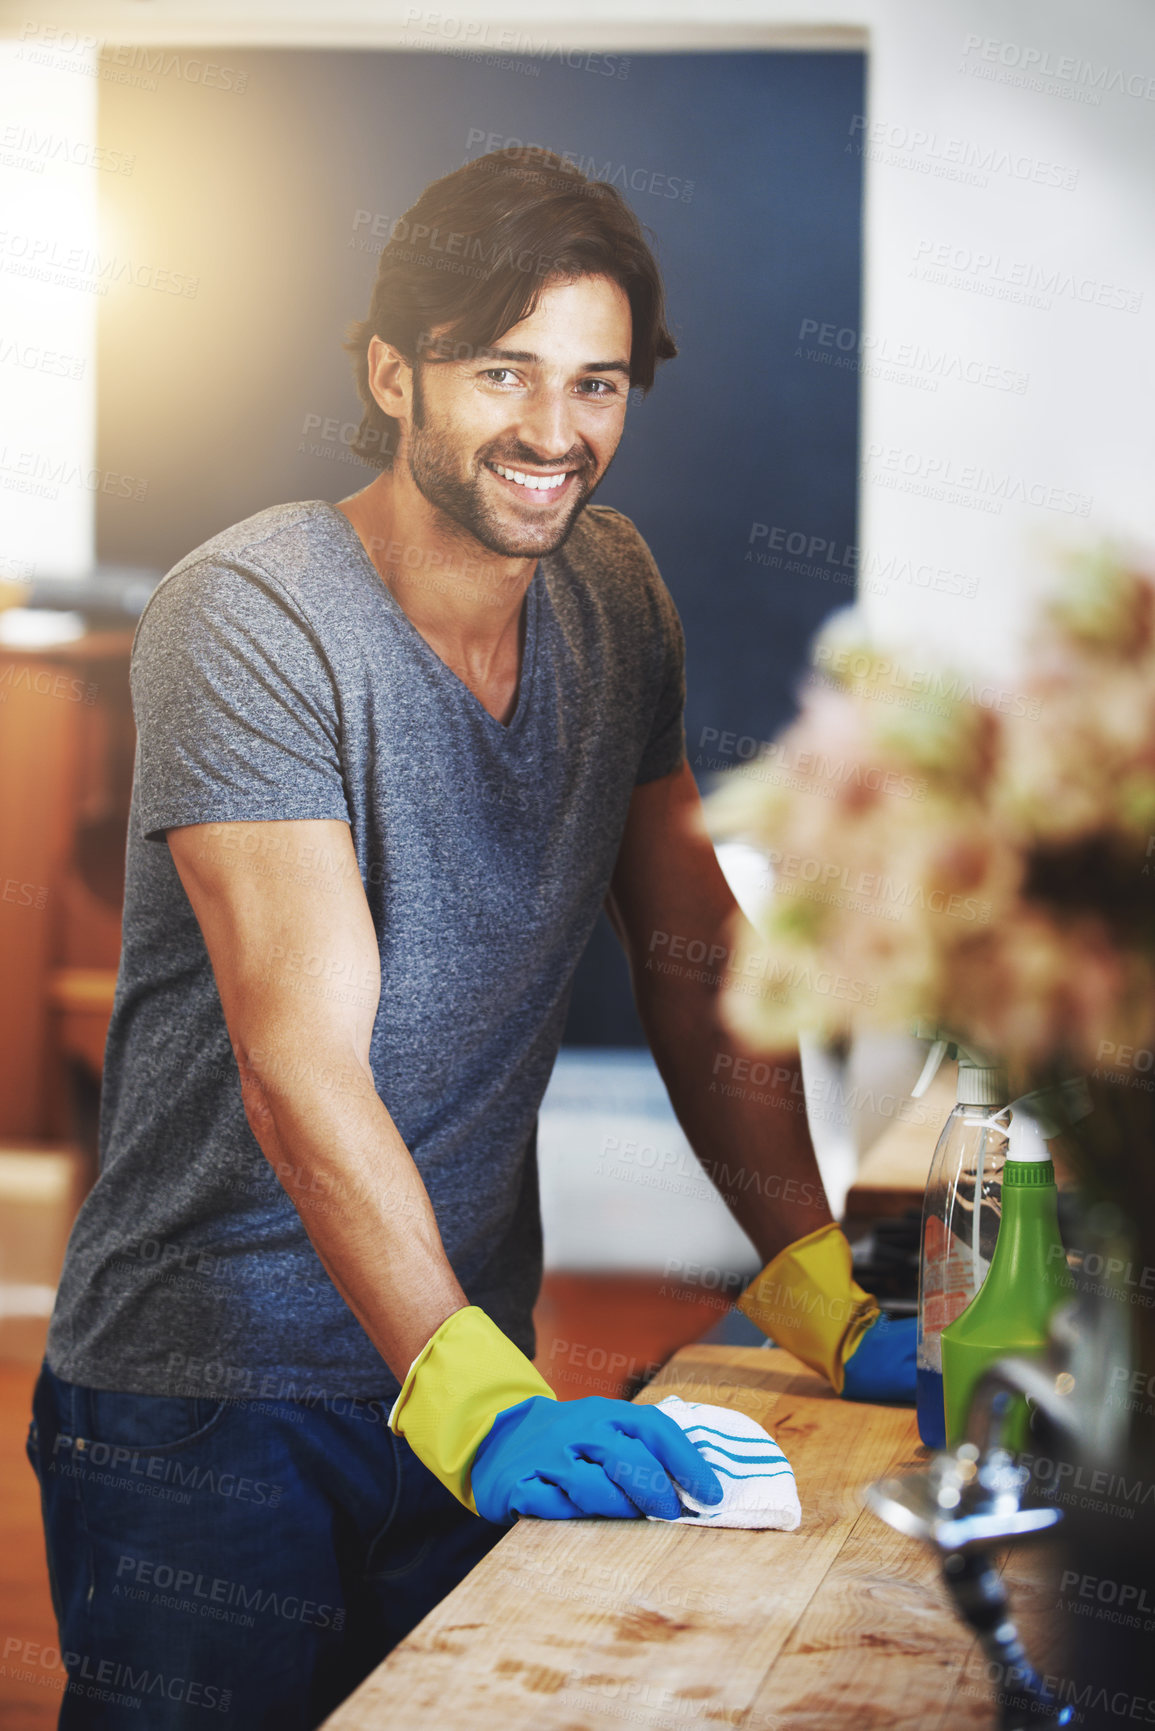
x=930 y=1069
x=980 y=1080
x=1028 y=1135
x=1053 y=1108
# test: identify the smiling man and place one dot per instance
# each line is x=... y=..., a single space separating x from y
x=394 y=756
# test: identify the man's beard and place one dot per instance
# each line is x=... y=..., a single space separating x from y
x=431 y=458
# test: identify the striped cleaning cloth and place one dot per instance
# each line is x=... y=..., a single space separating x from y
x=756 y=1477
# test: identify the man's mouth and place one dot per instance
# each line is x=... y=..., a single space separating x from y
x=546 y=486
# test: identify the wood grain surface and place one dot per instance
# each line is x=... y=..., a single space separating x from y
x=576 y=1624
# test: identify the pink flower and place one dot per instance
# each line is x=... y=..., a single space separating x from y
x=987 y=871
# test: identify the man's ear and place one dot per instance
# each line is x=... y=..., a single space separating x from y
x=390 y=380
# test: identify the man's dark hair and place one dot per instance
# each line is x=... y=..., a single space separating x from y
x=475 y=251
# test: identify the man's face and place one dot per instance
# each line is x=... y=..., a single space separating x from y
x=546 y=403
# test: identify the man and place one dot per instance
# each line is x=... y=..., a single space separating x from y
x=393 y=757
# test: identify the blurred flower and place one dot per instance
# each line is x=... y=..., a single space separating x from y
x=984 y=860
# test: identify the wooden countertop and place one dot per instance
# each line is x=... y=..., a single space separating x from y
x=576 y=1624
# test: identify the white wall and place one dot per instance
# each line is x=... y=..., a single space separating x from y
x=1082 y=427
x=949 y=176
x=49 y=287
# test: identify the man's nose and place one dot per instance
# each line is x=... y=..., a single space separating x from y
x=545 y=425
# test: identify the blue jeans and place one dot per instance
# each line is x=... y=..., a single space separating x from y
x=239 y=1563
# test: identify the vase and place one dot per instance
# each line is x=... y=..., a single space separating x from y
x=1101 y=1465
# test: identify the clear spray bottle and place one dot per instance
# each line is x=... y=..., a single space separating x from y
x=960 y=1216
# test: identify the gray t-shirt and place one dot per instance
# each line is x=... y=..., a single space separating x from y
x=274 y=676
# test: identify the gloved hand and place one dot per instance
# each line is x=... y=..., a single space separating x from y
x=484 y=1422
x=559 y=1459
x=808 y=1301
x=882 y=1365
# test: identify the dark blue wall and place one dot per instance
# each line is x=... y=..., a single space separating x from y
x=737 y=163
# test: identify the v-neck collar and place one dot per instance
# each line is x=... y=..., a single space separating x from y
x=529 y=649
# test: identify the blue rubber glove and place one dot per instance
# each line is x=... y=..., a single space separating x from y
x=561 y=1459
x=882 y=1365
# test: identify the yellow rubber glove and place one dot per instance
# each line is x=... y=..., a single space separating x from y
x=466 y=1373
x=808 y=1301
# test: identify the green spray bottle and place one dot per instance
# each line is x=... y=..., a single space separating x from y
x=1028 y=1279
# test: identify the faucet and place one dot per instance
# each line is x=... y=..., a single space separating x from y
x=973 y=1497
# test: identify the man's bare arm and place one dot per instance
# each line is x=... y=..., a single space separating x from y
x=668 y=886
x=296 y=962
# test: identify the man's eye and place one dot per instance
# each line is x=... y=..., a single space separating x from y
x=603 y=388
x=497 y=374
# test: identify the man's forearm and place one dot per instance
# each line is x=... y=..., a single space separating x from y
x=670 y=903
x=361 y=1199
x=752 y=1139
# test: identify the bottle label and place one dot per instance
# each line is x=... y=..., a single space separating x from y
x=948 y=1277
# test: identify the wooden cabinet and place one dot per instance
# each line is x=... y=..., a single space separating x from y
x=66 y=752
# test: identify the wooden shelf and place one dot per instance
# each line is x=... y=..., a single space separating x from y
x=82 y=999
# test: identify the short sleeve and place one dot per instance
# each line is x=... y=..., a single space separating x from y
x=236 y=714
x=665 y=748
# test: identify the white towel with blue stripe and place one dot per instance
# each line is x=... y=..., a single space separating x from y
x=756 y=1478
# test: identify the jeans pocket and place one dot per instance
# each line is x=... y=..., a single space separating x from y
x=154 y=1422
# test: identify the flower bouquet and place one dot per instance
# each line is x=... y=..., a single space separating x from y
x=976 y=856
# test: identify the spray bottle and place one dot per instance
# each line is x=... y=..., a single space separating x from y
x=1028 y=1276
x=960 y=1216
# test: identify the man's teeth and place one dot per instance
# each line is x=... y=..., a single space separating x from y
x=536 y=483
